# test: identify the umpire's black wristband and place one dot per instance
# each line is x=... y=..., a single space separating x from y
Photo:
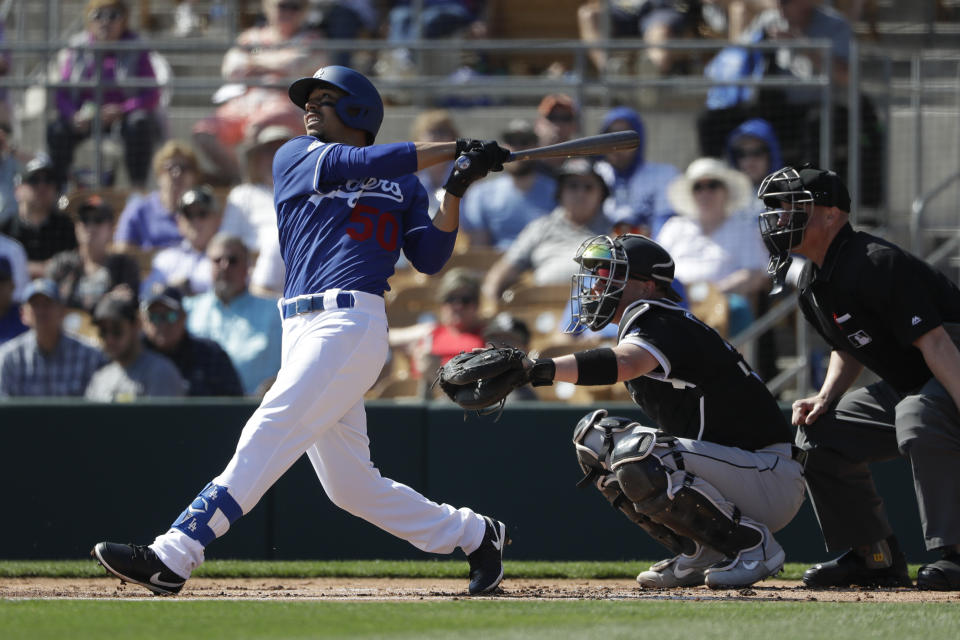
x=597 y=366
x=543 y=371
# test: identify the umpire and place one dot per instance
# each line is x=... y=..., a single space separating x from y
x=878 y=307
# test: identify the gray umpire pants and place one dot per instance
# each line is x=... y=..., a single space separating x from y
x=873 y=424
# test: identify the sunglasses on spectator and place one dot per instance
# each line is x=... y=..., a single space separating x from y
x=708 y=185
x=290 y=6
x=40 y=178
x=108 y=15
x=740 y=153
x=560 y=118
x=196 y=213
x=230 y=260
x=179 y=167
x=114 y=330
x=95 y=219
x=164 y=317
x=578 y=185
x=462 y=299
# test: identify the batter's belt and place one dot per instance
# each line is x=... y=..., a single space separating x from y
x=317 y=302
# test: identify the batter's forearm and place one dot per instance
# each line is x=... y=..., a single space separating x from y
x=448 y=216
x=431 y=153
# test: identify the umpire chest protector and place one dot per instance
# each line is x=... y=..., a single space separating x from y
x=702 y=389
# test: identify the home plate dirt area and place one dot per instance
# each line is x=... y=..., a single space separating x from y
x=440 y=589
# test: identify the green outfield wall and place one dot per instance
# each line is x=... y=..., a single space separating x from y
x=75 y=473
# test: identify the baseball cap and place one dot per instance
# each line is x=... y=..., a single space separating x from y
x=556 y=100
x=6 y=268
x=42 y=287
x=116 y=306
x=170 y=297
x=41 y=163
x=92 y=208
x=519 y=133
x=506 y=324
x=457 y=279
x=269 y=135
x=827 y=188
x=200 y=197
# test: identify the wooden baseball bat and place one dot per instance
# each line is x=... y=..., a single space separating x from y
x=588 y=146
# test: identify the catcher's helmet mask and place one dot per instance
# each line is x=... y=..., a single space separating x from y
x=605 y=267
x=361 y=108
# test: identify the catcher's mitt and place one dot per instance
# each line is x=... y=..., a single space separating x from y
x=483 y=378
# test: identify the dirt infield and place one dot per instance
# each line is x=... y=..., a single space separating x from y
x=437 y=589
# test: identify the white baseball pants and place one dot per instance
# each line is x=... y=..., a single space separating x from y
x=330 y=359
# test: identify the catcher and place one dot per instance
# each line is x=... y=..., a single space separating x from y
x=717 y=474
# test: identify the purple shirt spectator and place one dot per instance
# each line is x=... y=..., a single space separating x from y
x=80 y=64
x=146 y=223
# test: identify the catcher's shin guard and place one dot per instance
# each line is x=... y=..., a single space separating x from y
x=674 y=542
x=687 y=510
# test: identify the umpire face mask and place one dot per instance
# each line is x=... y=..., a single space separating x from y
x=783 y=224
x=597 y=287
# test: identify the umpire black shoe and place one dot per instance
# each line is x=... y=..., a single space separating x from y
x=942 y=575
x=486 y=562
x=853 y=569
x=138 y=564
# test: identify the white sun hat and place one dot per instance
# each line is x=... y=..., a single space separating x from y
x=680 y=191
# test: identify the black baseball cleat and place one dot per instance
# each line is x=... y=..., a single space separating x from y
x=486 y=562
x=852 y=569
x=942 y=575
x=138 y=564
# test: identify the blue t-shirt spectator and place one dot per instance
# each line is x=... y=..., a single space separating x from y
x=499 y=210
x=248 y=329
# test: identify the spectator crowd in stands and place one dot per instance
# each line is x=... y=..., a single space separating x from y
x=176 y=294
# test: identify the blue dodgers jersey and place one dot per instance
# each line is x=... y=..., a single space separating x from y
x=340 y=227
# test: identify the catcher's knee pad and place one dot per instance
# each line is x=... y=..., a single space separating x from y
x=685 y=509
x=209 y=515
x=595 y=437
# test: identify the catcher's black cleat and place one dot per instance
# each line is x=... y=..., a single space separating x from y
x=852 y=569
x=486 y=562
x=138 y=564
x=942 y=575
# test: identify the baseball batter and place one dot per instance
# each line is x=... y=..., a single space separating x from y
x=345 y=209
x=717 y=474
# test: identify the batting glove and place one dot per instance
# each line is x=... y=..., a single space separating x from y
x=494 y=153
x=460 y=179
x=467 y=144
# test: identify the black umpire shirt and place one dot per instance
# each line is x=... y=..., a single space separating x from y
x=702 y=389
x=872 y=300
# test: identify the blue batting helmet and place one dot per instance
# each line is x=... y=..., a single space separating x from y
x=361 y=108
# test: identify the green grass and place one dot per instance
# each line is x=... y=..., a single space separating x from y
x=464 y=619
x=360 y=569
